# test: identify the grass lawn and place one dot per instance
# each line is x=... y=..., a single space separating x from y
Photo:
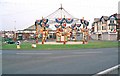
x=91 y=44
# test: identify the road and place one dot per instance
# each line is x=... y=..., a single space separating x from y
x=82 y=61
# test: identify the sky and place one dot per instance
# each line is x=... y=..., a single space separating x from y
x=21 y=14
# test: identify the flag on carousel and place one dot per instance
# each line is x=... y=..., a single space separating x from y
x=78 y=25
x=47 y=25
x=45 y=20
x=82 y=21
x=69 y=20
x=58 y=20
x=42 y=22
x=64 y=25
x=56 y=25
x=85 y=22
x=73 y=25
x=61 y=20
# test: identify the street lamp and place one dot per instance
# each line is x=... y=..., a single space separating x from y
x=15 y=37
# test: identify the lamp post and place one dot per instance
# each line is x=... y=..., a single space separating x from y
x=15 y=37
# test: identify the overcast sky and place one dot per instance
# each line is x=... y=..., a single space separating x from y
x=20 y=14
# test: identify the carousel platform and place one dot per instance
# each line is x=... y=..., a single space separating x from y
x=63 y=43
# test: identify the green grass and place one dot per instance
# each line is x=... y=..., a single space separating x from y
x=91 y=44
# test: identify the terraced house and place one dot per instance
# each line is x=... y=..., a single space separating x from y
x=106 y=28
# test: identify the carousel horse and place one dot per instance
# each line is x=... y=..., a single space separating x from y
x=44 y=33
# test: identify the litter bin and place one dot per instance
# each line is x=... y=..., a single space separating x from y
x=18 y=44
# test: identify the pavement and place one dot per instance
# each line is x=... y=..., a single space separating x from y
x=81 y=61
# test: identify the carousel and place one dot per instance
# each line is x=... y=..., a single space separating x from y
x=67 y=27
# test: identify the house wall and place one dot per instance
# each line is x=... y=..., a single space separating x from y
x=113 y=36
x=105 y=28
x=24 y=36
x=99 y=27
x=105 y=36
x=95 y=28
x=108 y=29
x=94 y=36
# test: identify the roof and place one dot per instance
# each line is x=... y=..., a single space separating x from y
x=104 y=17
x=32 y=28
x=117 y=16
x=96 y=19
x=59 y=13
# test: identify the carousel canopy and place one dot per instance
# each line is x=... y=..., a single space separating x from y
x=61 y=13
x=58 y=17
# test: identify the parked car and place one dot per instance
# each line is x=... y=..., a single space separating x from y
x=10 y=42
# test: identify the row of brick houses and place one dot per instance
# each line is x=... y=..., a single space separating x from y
x=106 y=28
x=7 y=34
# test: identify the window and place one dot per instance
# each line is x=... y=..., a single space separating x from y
x=112 y=20
x=112 y=28
x=104 y=27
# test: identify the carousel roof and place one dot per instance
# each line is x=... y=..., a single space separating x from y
x=60 y=13
x=32 y=28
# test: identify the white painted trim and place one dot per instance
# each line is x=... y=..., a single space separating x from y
x=107 y=70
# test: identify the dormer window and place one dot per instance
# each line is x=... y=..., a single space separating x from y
x=112 y=20
x=103 y=20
